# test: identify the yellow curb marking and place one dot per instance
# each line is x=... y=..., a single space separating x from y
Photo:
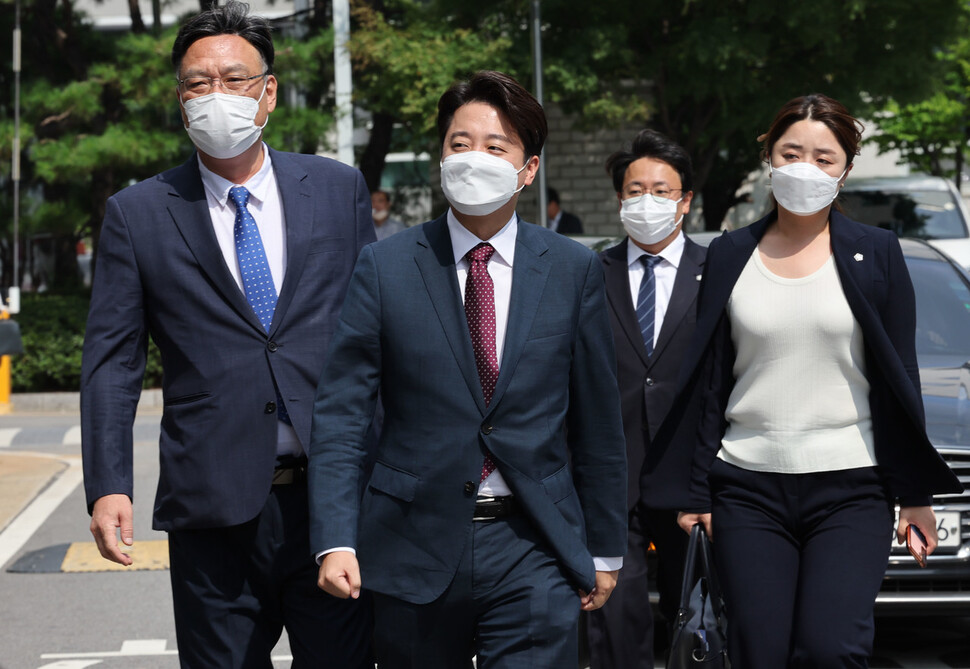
x=147 y=555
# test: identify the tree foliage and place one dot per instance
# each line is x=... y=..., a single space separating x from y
x=932 y=135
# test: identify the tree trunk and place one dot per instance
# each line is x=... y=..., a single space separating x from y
x=156 y=17
x=372 y=162
x=66 y=274
x=137 y=24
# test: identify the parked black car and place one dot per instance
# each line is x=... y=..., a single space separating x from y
x=943 y=350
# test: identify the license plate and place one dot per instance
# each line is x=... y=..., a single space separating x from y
x=947 y=530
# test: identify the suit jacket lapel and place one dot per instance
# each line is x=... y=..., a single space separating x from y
x=854 y=260
x=190 y=212
x=436 y=262
x=297 y=204
x=733 y=251
x=617 y=274
x=684 y=295
x=529 y=273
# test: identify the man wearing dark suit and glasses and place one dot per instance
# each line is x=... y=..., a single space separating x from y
x=235 y=264
x=496 y=509
x=653 y=320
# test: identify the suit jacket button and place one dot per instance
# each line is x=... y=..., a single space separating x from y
x=270 y=407
x=272 y=347
x=649 y=381
x=469 y=487
x=486 y=429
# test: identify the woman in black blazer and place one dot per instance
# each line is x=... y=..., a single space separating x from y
x=813 y=421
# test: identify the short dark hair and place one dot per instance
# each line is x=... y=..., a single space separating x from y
x=501 y=91
x=552 y=195
x=231 y=18
x=652 y=144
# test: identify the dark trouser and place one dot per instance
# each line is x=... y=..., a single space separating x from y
x=800 y=558
x=509 y=603
x=236 y=588
x=621 y=632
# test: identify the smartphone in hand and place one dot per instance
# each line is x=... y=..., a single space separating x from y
x=916 y=543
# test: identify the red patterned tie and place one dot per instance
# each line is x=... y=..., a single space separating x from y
x=480 y=313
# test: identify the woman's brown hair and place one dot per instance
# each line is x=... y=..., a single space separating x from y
x=817 y=107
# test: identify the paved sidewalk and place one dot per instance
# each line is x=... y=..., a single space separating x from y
x=67 y=403
x=24 y=475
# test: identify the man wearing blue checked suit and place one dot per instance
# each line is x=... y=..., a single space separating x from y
x=236 y=264
x=496 y=508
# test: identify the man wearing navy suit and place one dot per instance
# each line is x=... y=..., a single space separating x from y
x=653 y=320
x=496 y=506
x=236 y=264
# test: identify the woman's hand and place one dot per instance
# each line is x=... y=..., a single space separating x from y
x=923 y=518
x=688 y=520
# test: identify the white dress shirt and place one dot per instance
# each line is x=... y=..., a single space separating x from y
x=266 y=207
x=664 y=273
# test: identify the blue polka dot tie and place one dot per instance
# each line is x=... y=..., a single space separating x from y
x=254 y=269
x=253 y=265
x=647 y=300
x=480 y=314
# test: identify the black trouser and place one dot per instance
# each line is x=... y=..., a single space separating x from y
x=621 y=633
x=236 y=588
x=510 y=604
x=801 y=558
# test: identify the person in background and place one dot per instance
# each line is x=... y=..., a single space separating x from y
x=559 y=220
x=384 y=225
x=235 y=264
x=813 y=421
x=652 y=278
x=493 y=514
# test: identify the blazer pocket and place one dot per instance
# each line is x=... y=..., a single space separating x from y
x=394 y=482
x=186 y=399
x=559 y=486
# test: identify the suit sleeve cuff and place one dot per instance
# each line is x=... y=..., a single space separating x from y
x=607 y=564
x=334 y=550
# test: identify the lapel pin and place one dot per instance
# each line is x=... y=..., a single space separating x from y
x=858 y=257
x=698 y=277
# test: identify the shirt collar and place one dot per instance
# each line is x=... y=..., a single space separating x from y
x=258 y=185
x=463 y=241
x=671 y=253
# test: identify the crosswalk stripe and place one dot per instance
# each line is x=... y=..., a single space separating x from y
x=72 y=437
x=7 y=435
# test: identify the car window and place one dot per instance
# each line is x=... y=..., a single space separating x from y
x=921 y=214
x=942 y=309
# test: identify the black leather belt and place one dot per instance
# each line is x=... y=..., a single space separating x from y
x=289 y=471
x=491 y=508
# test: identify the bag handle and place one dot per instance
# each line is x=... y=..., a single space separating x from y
x=707 y=569
x=690 y=566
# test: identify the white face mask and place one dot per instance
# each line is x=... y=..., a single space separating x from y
x=223 y=125
x=379 y=214
x=477 y=183
x=803 y=188
x=648 y=221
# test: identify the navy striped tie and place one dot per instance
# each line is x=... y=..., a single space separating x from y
x=647 y=301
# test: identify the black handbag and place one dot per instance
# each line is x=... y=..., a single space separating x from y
x=700 y=631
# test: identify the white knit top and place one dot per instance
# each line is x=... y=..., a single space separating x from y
x=801 y=400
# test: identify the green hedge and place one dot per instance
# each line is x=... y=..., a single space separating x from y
x=52 y=327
